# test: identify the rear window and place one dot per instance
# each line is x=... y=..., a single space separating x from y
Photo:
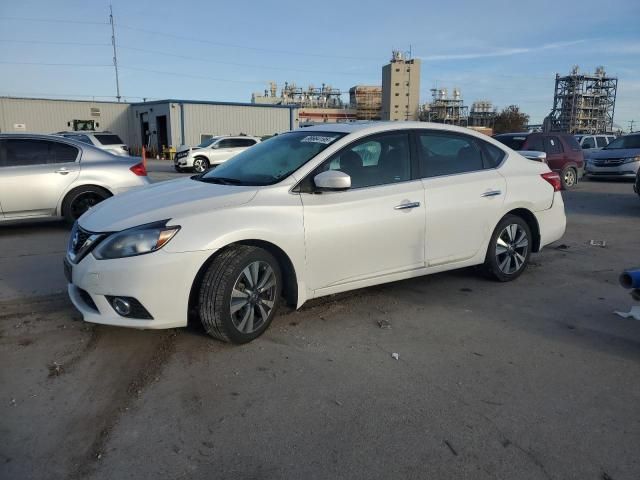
x=108 y=139
x=573 y=143
x=515 y=142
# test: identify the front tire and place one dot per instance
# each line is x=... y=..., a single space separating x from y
x=200 y=164
x=509 y=249
x=239 y=294
x=569 y=177
x=178 y=169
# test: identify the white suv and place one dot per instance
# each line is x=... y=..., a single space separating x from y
x=107 y=141
x=594 y=142
x=211 y=152
x=308 y=213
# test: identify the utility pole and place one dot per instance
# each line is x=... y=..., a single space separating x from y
x=115 y=54
x=631 y=122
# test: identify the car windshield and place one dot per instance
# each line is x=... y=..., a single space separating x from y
x=272 y=160
x=628 y=141
x=208 y=142
x=108 y=139
x=514 y=142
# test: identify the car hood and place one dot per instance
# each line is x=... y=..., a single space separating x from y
x=185 y=148
x=616 y=153
x=165 y=200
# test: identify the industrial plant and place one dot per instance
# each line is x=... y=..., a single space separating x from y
x=583 y=103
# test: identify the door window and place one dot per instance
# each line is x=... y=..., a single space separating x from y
x=601 y=141
x=376 y=160
x=80 y=138
x=588 y=142
x=448 y=154
x=230 y=143
x=553 y=145
x=25 y=152
x=535 y=143
x=245 y=142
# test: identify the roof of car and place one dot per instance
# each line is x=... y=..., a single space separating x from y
x=376 y=126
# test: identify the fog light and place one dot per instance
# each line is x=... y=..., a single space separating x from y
x=121 y=306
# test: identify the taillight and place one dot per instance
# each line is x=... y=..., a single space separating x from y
x=139 y=169
x=554 y=180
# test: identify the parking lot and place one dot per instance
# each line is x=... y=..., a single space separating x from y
x=534 y=379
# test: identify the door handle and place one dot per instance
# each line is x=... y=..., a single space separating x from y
x=491 y=193
x=405 y=206
x=62 y=171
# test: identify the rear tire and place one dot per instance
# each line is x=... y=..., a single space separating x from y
x=509 y=249
x=569 y=178
x=239 y=294
x=81 y=199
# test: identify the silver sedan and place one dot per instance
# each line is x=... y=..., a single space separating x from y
x=49 y=176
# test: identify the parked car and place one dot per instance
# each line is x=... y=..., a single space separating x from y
x=564 y=155
x=52 y=176
x=594 y=142
x=211 y=152
x=107 y=141
x=308 y=213
x=619 y=159
x=636 y=184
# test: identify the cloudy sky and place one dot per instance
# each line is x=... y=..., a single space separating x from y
x=506 y=52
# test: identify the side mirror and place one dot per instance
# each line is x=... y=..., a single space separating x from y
x=332 y=180
x=534 y=155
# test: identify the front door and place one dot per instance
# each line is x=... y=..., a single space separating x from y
x=34 y=174
x=464 y=194
x=372 y=229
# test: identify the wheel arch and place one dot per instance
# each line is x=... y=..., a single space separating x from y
x=532 y=222
x=73 y=188
x=289 y=276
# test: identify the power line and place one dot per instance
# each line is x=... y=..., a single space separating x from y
x=38 y=42
x=52 y=20
x=46 y=64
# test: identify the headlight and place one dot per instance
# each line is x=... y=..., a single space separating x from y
x=632 y=159
x=136 y=241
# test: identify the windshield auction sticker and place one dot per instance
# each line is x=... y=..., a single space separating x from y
x=317 y=139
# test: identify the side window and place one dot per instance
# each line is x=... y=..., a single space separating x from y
x=601 y=141
x=494 y=155
x=553 y=145
x=535 y=143
x=228 y=143
x=376 y=160
x=81 y=138
x=610 y=139
x=588 y=142
x=246 y=142
x=448 y=154
x=25 y=152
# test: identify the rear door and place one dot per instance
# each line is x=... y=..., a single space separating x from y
x=555 y=153
x=34 y=173
x=464 y=194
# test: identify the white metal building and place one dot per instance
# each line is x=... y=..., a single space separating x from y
x=154 y=124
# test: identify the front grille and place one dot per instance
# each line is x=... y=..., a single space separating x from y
x=82 y=242
x=86 y=298
x=607 y=163
x=78 y=238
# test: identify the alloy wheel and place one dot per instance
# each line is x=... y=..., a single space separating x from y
x=570 y=177
x=253 y=297
x=511 y=249
x=199 y=165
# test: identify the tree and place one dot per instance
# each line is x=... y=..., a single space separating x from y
x=510 y=119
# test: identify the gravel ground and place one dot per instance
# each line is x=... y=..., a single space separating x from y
x=535 y=379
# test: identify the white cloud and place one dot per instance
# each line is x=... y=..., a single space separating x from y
x=503 y=52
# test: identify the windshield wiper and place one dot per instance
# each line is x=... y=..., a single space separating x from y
x=221 y=180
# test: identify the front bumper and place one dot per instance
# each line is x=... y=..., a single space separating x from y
x=624 y=170
x=160 y=281
x=184 y=162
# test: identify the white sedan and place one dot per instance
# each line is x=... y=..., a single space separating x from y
x=309 y=213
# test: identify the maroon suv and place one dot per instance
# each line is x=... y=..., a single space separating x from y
x=564 y=154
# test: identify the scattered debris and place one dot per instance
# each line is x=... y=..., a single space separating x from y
x=598 y=243
x=338 y=402
x=563 y=246
x=606 y=476
x=633 y=313
x=571 y=327
x=466 y=289
x=453 y=450
x=99 y=456
x=293 y=324
x=384 y=324
x=12 y=402
x=55 y=369
x=395 y=355
x=478 y=354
